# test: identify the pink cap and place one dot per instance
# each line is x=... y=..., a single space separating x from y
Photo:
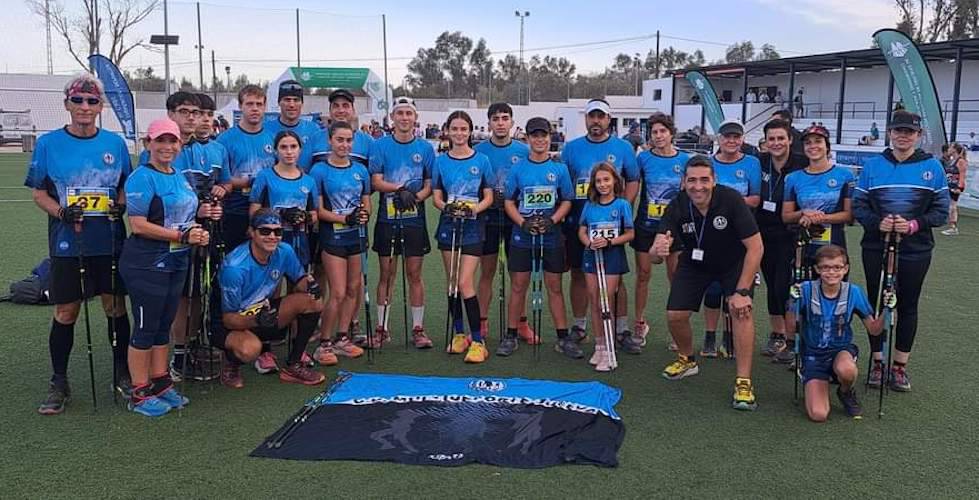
x=162 y=126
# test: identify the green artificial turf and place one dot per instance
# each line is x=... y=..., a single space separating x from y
x=682 y=438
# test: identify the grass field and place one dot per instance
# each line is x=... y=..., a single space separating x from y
x=682 y=438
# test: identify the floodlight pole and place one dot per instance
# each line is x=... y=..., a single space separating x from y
x=166 y=48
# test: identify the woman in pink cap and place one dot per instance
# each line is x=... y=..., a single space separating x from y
x=154 y=261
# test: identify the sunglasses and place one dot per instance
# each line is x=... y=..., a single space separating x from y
x=92 y=101
x=268 y=231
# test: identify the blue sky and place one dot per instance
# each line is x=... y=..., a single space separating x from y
x=258 y=37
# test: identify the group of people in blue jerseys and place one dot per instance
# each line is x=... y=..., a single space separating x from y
x=261 y=236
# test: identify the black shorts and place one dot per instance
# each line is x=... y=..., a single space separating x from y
x=574 y=251
x=491 y=245
x=416 y=240
x=954 y=196
x=519 y=260
x=643 y=239
x=818 y=364
x=343 y=251
x=476 y=250
x=690 y=283
x=219 y=333
x=98 y=280
x=234 y=230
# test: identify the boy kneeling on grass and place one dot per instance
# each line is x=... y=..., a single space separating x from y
x=826 y=307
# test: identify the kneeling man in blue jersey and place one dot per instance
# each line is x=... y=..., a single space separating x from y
x=710 y=230
x=253 y=312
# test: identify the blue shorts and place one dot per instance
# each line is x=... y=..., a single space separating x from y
x=818 y=364
x=615 y=261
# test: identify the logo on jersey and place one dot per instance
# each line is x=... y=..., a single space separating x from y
x=417 y=158
x=514 y=159
x=739 y=173
x=63 y=245
x=677 y=168
x=474 y=170
x=831 y=183
x=304 y=189
x=611 y=158
x=275 y=274
x=689 y=228
x=927 y=175
x=357 y=177
x=720 y=222
x=551 y=177
x=268 y=148
x=305 y=139
x=108 y=159
x=615 y=213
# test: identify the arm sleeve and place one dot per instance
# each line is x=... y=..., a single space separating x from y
x=365 y=182
x=436 y=177
x=788 y=190
x=224 y=177
x=126 y=164
x=139 y=194
x=510 y=186
x=583 y=218
x=314 y=194
x=429 y=162
x=848 y=182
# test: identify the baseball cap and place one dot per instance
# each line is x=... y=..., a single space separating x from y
x=538 y=124
x=162 y=126
x=598 y=105
x=341 y=94
x=905 y=119
x=731 y=126
x=290 y=88
x=403 y=102
x=816 y=130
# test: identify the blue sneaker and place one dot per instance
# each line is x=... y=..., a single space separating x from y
x=174 y=398
x=150 y=407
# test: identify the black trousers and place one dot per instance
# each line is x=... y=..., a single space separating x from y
x=910 y=278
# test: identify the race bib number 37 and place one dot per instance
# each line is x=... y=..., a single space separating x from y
x=94 y=201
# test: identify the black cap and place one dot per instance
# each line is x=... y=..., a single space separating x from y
x=538 y=124
x=341 y=94
x=290 y=88
x=731 y=126
x=905 y=119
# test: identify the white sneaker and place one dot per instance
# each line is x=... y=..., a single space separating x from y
x=952 y=231
x=597 y=355
x=642 y=330
x=603 y=364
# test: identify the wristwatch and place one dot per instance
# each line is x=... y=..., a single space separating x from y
x=745 y=292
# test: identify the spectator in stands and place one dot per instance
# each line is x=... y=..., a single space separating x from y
x=764 y=97
x=752 y=96
x=874 y=133
x=973 y=141
x=634 y=137
x=800 y=107
x=780 y=99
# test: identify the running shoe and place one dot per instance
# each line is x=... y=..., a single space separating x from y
x=597 y=355
x=744 y=395
x=419 y=338
x=344 y=347
x=307 y=360
x=357 y=335
x=58 y=396
x=727 y=346
x=298 y=373
x=150 y=407
x=629 y=343
x=266 y=363
x=123 y=383
x=526 y=333
x=381 y=336
x=900 y=381
x=231 y=375
x=324 y=354
x=578 y=334
x=850 y=402
x=952 y=231
x=709 y=350
x=776 y=343
x=507 y=346
x=569 y=348
x=642 y=330
x=604 y=362
x=173 y=398
x=682 y=367
x=784 y=357
x=876 y=374
x=459 y=344
x=477 y=353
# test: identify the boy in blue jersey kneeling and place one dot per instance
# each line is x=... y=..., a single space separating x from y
x=825 y=307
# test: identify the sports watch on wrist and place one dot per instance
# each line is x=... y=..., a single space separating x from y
x=745 y=292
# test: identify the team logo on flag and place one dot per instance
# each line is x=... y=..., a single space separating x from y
x=551 y=177
x=108 y=159
x=927 y=175
x=484 y=385
x=739 y=173
x=720 y=222
x=417 y=158
x=831 y=183
x=899 y=49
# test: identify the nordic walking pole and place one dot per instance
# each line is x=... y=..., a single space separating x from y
x=537 y=299
x=451 y=288
x=890 y=316
x=114 y=263
x=798 y=274
x=501 y=268
x=606 y=313
x=404 y=279
x=79 y=237
x=191 y=275
x=362 y=235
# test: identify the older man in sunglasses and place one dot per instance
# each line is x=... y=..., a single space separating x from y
x=76 y=174
x=251 y=309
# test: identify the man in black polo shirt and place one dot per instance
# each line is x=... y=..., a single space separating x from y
x=717 y=239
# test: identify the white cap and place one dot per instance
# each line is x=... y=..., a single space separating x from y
x=598 y=105
x=404 y=102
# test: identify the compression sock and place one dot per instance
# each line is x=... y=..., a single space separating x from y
x=472 y=313
x=60 y=341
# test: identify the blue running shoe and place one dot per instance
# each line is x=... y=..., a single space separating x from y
x=150 y=407
x=174 y=398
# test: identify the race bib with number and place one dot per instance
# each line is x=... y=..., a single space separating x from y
x=581 y=189
x=825 y=237
x=603 y=230
x=393 y=212
x=655 y=210
x=94 y=201
x=539 y=197
x=175 y=246
x=254 y=308
x=469 y=201
x=339 y=227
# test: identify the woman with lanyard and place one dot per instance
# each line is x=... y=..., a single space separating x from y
x=901 y=193
x=344 y=208
x=776 y=263
x=287 y=190
x=153 y=264
x=462 y=189
x=956 y=163
x=817 y=199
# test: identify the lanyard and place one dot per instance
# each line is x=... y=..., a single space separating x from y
x=772 y=188
x=703 y=224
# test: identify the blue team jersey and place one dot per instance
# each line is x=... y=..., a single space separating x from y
x=915 y=189
x=582 y=154
x=361 y=150
x=312 y=139
x=462 y=180
x=273 y=191
x=606 y=221
x=341 y=189
x=661 y=177
x=824 y=192
x=538 y=189
x=246 y=284
x=217 y=158
x=827 y=321
x=744 y=175
x=248 y=153
x=85 y=170
x=167 y=200
x=502 y=158
x=203 y=164
x=407 y=163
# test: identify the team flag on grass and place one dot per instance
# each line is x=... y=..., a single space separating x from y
x=509 y=422
x=117 y=92
x=708 y=99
